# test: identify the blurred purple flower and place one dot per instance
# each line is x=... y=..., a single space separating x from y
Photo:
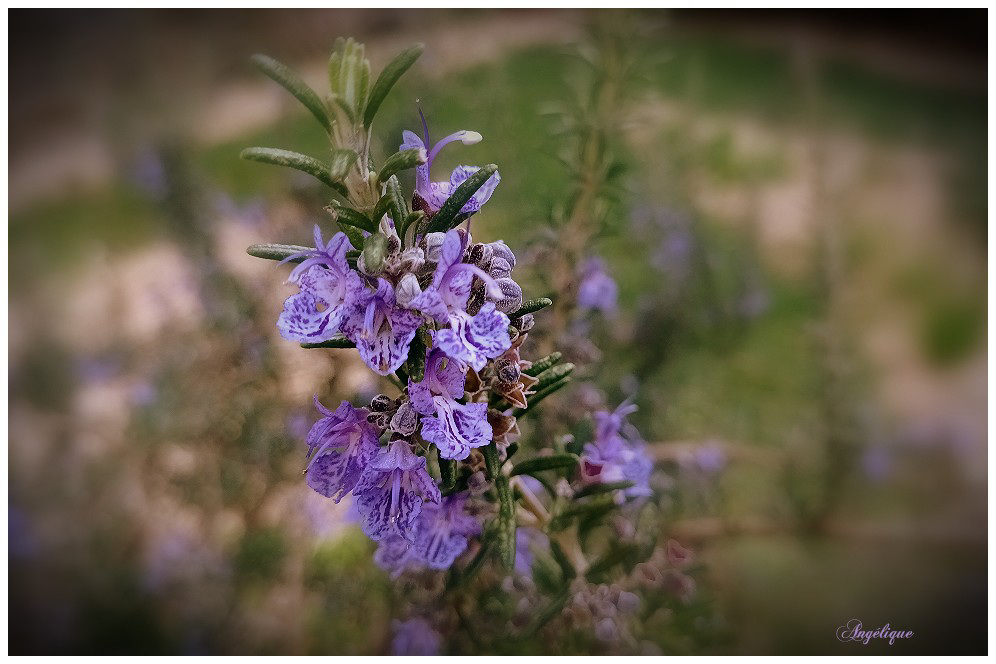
x=710 y=458
x=93 y=370
x=618 y=453
x=597 y=291
x=149 y=174
x=414 y=637
x=443 y=531
x=394 y=555
x=143 y=393
x=876 y=463
x=528 y=540
x=21 y=542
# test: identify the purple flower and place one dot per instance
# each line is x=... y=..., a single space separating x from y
x=394 y=555
x=430 y=196
x=470 y=339
x=390 y=494
x=710 y=458
x=330 y=292
x=876 y=463
x=381 y=330
x=340 y=446
x=443 y=531
x=475 y=339
x=617 y=453
x=528 y=540
x=21 y=541
x=452 y=280
x=414 y=637
x=598 y=290
x=455 y=428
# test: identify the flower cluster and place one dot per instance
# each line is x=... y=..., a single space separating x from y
x=431 y=470
x=458 y=295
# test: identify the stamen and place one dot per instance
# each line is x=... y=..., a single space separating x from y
x=425 y=127
x=465 y=136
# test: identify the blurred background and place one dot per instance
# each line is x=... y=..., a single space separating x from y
x=796 y=225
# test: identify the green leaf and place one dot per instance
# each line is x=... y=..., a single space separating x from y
x=342 y=160
x=374 y=253
x=549 y=612
x=506 y=507
x=443 y=220
x=598 y=489
x=416 y=355
x=388 y=77
x=296 y=160
x=355 y=237
x=383 y=206
x=277 y=252
x=531 y=306
x=539 y=366
x=447 y=473
x=399 y=204
x=412 y=221
x=617 y=554
x=593 y=510
x=334 y=342
x=566 y=567
x=539 y=464
x=293 y=84
x=552 y=375
x=349 y=216
x=402 y=161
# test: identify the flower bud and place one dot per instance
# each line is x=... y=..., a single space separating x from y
x=405 y=420
x=506 y=370
x=525 y=323
x=677 y=555
x=407 y=289
x=499 y=268
x=513 y=296
x=479 y=255
x=500 y=250
x=381 y=402
x=433 y=245
x=371 y=260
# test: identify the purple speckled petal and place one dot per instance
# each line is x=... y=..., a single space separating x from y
x=342 y=444
x=443 y=531
x=482 y=195
x=394 y=555
x=431 y=303
x=456 y=428
x=302 y=321
x=384 y=332
x=443 y=377
x=389 y=511
x=439 y=548
x=475 y=340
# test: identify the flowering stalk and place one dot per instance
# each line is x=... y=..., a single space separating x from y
x=431 y=467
